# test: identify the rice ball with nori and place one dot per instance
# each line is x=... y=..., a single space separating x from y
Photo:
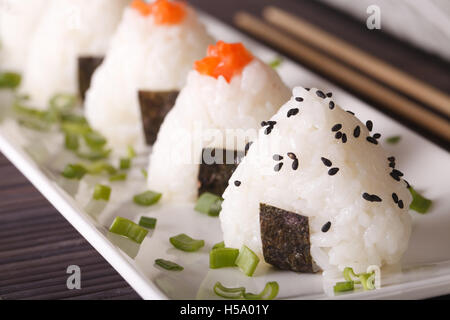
x=68 y=29
x=18 y=21
x=226 y=97
x=154 y=48
x=321 y=163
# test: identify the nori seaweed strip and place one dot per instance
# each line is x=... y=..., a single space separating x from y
x=155 y=105
x=86 y=68
x=213 y=175
x=285 y=239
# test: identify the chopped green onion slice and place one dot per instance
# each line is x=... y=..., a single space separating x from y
x=219 y=245
x=168 y=265
x=367 y=280
x=94 y=140
x=275 y=63
x=344 y=286
x=144 y=173
x=393 y=139
x=269 y=292
x=349 y=275
x=10 y=80
x=148 y=222
x=94 y=155
x=185 y=243
x=99 y=167
x=63 y=101
x=228 y=293
x=101 y=192
x=131 y=152
x=118 y=177
x=74 y=118
x=30 y=112
x=419 y=203
x=75 y=127
x=147 y=198
x=129 y=229
x=209 y=203
x=71 y=141
x=222 y=257
x=247 y=261
x=34 y=124
x=125 y=163
x=74 y=171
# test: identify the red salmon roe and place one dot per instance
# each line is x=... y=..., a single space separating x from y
x=163 y=11
x=224 y=59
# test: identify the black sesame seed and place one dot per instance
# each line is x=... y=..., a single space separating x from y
x=326 y=226
x=331 y=105
x=369 y=125
x=336 y=127
x=333 y=171
x=392 y=165
x=320 y=94
x=295 y=164
x=292 y=155
x=397 y=173
x=278 y=167
x=371 y=197
x=263 y=123
x=357 y=132
x=292 y=112
x=351 y=112
x=391 y=159
x=272 y=123
x=372 y=140
x=307 y=89
x=329 y=94
x=344 y=138
x=268 y=130
x=377 y=136
x=338 y=135
x=367 y=196
x=376 y=198
x=395 y=197
x=396 y=178
x=326 y=162
x=400 y=204
x=237 y=183
x=277 y=157
x=299 y=99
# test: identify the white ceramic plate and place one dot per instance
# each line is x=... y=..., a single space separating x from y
x=424 y=272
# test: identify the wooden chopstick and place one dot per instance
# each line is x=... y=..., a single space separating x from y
x=344 y=75
x=355 y=57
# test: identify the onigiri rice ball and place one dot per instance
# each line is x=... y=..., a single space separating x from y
x=216 y=109
x=18 y=21
x=67 y=30
x=322 y=163
x=145 y=54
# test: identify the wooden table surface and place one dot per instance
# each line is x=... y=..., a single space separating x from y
x=37 y=244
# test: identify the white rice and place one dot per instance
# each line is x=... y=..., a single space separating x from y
x=68 y=29
x=18 y=22
x=143 y=56
x=207 y=111
x=362 y=233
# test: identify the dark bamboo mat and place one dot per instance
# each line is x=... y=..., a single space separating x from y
x=37 y=244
